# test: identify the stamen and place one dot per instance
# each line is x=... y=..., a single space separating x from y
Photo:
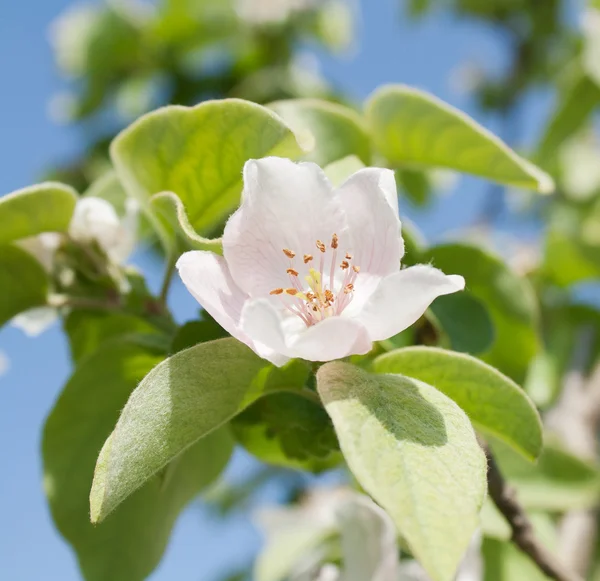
x=307 y=258
x=334 y=241
x=292 y=272
x=289 y=253
x=310 y=296
x=329 y=296
x=348 y=288
x=348 y=256
x=320 y=246
x=356 y=269
x=276 y=291
x=291 y=291
x=345 y=265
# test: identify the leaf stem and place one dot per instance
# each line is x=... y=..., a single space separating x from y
x=523 y=536
x=168 y=276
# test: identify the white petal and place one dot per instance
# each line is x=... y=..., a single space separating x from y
x=401 y=298
x=284 y=205
x=42 y=247
x=35 y=321
x=333 y=338
x=207 y=277
x=373 y=223
x=126 y=235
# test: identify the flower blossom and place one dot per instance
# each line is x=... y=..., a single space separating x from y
x=94 y=220
x=310 y=271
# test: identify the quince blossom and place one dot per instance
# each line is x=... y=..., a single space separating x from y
x=310 y=271
x=94 y=220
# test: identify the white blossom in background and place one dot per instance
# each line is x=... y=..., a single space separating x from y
x=297 y=540
x=591 y=48
x=271 y=11
x=310 y=271
x=94 y=220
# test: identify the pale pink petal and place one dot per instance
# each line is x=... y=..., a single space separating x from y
x=373 y=223
x=401 y=298
x=285 y=205
x=333 y=338
x=208 y=280
x=34 y=322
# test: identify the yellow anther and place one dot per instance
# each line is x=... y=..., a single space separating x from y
x=307 y=258
x=348 y=256
x=348 y=288
x=276 y=291
x=320 y=246
x=334 y=241
x=356 y=269
x=345 y=265
x=291 y=291
x=292 y=272
x=289 y=253
x=329 y=296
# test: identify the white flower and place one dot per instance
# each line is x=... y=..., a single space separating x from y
x=94 y=220
x=310 y=271
x=4 y=363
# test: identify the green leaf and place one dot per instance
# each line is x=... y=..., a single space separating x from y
x=493 y=402
x=413 y=128
x=569 y=261
x=414 y=451
x=466 y=321
x=288 y=430
x=509 y=300
x=46 y=207
x=199 y=152
x=168 y=207
x=194 y=332
x=180 y=401
x=23 y=281
x=415 y=185
x=338 y=131
x=130 y=544
x=88 y=330
x=558 y=482
x=339 y=171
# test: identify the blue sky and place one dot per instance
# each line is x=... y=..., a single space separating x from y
x=391 y=50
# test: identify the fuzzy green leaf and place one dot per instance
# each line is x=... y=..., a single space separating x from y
x=180 y=401
x=413 y=128
x=130 y=544
x=46 y=207
x=338 y=131
x=23 y=281
x=198 y=153
x=414 y=451
x=493 y=402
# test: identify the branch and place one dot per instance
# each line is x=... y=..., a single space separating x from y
x=523 y=536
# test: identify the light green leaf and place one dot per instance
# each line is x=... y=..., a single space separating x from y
x=88 y=330
x=23 y=281
x=288 y=430
x=569 y=261
x=414 y=451
x=509 y=300
x=466 y=321
x=338 y=131
x=493 y=402
x=130 y=544
x=198 y=153
x=180 y=401
x=46 y=207
x=413 y=128
x=339 y=171
x=194 y=332
x=168 y=207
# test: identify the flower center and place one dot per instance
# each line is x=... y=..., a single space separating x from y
x=321 y=296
